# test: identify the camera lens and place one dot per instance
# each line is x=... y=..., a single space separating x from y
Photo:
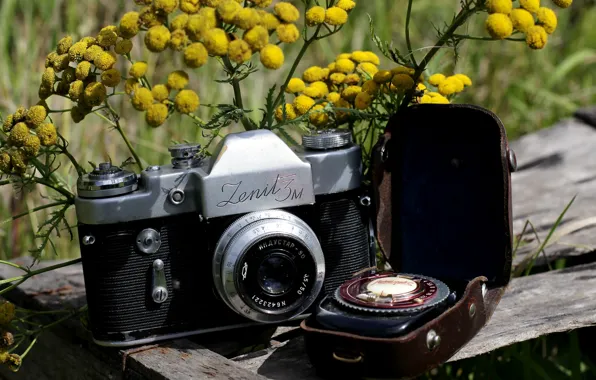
x=276 y=273
x=268 y=266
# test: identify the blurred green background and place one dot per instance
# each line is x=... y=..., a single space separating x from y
x=527 y=89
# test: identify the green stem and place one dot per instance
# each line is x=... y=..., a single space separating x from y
x=35 y=273
x=60 y=111
x=75 y=163
x=61 y=190
x=465 y=37
x=408 y=42
x=246 y=122
x=28 y=348
x=116 y=124
x=14 y=217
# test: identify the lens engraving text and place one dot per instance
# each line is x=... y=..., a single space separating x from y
x=281 y=190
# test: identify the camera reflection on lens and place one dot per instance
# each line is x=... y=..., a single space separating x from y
x=276 y=274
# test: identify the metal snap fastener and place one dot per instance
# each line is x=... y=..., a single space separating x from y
x=433 y=340
x=472 y=310
x=148 y=241
x=176 y=196
x=88 y=240
x=365 y=201
x=512 y=158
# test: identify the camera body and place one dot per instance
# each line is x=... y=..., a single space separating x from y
x=254 y=234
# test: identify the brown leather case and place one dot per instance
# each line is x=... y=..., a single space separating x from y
x=442 y=195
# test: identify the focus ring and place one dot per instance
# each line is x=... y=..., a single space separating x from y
x=327 y=139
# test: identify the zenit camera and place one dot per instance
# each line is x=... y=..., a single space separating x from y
x=254 y=234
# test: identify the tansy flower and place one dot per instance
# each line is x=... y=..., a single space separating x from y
x=156 y=114
x=76 y=89
x=530 y=5
x=439 y=100
x=107 y=36
x=257 y=37
x=313 y=92
x=44 y=92
x=272 y=57
x=436 y=79
x=149 y=17
x=216 y=41
x=336 y=16
x=178 y=39
x=547 y=19
x=61 y=62
x=78 y=113
x=18 y=134
x=195 y=55
x=239 y=51
x=350 y=92
x=363 y=100
x=31 y=145
x=302 y=104
x=179 y=22
x=343 y=56
x=36 y=115
x=368 y=68
x=77 y=51
x=344 y=65
x=68 y=75
x=333 y=97
x=499 y=6
x=359 y=56
x=82 y=70
x=131 y=85
x=157 y=38
x=352 y=79
x=8 y=123
x=286 y=12
x=48 y=78
x=318 y=117
x=110 y=78
x=464 y=79
x=63 y=45
x=315 y=16
x=288 y=33
x=450 y=85
x=382 y=76
x=346 y=5
x=123 y=47
x=562 y=3
x=18 y=160
x=295 y=85
x=5 y=164
x=246 y=18
x=499 y=26
x=402 y=82
x=104 y=61
x=372 y=58
x=141 y=99
x=536 y=37
x=290 y=112
x=166 y=6
x=313 y=74
x=189 y=6
x=92 y=52
x=337 y=78
x=89 y=40
x=227 y=10
x=62 y=87
x=332 y=67
x=47 y=134
x=262 y=3
x=187 y=101
x=20 y=114
x=371 y=87
x=326 y=73
x=211 y=3
x=95 y=94
x=177 y=80
x=50 y=59
x=268 y=20
x=129 y=25
x=160 y=92
x=521 y=19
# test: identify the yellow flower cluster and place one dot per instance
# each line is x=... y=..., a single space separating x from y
x=203 y=28
x=445 y=85
x=335 y=15
x=536 y=22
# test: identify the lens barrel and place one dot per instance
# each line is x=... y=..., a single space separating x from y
x=269 y=266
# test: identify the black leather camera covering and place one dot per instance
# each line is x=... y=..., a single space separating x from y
x=442 y=193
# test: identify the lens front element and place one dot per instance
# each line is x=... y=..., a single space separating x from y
x=268 y=266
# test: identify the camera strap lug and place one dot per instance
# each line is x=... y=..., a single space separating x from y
x=159 y=291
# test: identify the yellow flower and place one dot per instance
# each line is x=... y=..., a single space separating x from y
x=92 y=52
x=521 y=19
x=150 y=18
x=344 y=65
x=129 y=25
x=239 y=51
x=107 y=36
x=436 y=79
x=160 y=92
x=89 y=40
x=187 y=101
x=499 y=26
x=20 y=114
x=547 y=19
x=336 y=16
x=352 y=79
x=372 y=58
x=123 y=47
x=95 y=93
x=402 y=82
x=141 y=99
x=61 y=62
x=295 y=85
x=78 y=113
x=315 y=16
x=82 y=70
x=562 y=3
x=499 y=6
x=350 y=92
x=131 y=85
x=76 y=89
x=424 y=99
x=77 y=51
x=368 y=68
x=302 y=104
x=346 y=5
x=530 y=5
x=177 y=80
x=257 y=37
x=110 y=78
x=156 y=114
x=48 y=78
x=138 y=69
x=68 y=75
x=272 y=57
x=44 y=92
x=268 y=20
x=313 y=74
x=332 y=67
x=36 y=115
x=18 y=134
x=536 y=37
x=216 y=41
x=464 y=79
x=439 y=100
x=47 y=134
x=318 y=116
x=166 y=6
x=450 y=85
x=31 y=145
x=371 y=87
x=382 y=76
x=195 y=55
x=290 y=112
x=5 y=164
x=359 y=56
x=104 y=61
x=286 y=12
x=157 y=38
x=18 y=160
x=333 y=97
x=211 y=3
x=178 y=39
x=262 y=3
x=288 y=33
x=8 y=123
x=63 y=45
x=314 y=92
x=337 y=78
x=343 y=56
x=227 y=10
x=190 y=6
x=62 y=87
x=363 y=100
x=50 y=59
x=246 y=18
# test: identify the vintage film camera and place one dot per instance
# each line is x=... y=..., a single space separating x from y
x=254 y=234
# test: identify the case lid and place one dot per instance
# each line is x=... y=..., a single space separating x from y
x=442 y=178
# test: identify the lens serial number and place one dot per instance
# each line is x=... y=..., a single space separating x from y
x=304 y=284
x=262 y=302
